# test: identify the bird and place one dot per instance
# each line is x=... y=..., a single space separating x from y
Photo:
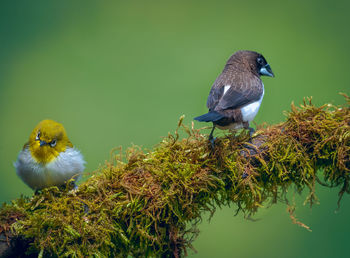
x=49 y=158
x=236 y=95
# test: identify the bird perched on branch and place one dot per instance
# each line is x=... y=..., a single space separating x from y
x=49 y=158
x=236 y=95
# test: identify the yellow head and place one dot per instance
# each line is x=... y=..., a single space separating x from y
x=47 y=141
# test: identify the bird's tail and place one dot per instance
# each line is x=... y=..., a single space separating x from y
x=211 y=116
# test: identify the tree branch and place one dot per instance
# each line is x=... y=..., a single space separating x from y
x=151 y=204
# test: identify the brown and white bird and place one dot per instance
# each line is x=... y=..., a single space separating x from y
x=236 y=95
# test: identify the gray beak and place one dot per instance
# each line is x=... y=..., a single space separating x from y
x=266 y=70
x=42 y=143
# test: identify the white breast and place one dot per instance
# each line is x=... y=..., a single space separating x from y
x=68 y=164
x=250 y=111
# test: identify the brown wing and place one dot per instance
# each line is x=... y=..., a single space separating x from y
x=245 y=88
x=214 y=97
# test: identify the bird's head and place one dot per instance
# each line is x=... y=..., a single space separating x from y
x=252 y=61
x=262 y=67
x=48 y=140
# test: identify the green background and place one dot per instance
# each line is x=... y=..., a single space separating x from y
x=117 y=73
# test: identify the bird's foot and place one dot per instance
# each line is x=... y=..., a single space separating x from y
x=251 y=131
x=212 y=142
x=245 y=175
x=73 y=188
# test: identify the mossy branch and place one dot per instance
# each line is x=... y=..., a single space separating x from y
x=151 y=204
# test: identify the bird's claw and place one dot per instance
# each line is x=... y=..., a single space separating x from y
x=251 y=131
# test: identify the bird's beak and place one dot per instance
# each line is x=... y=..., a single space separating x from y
x=266 y=70
x=42 y=143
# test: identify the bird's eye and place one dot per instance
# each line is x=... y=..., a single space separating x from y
x=260 y=60
x=37 y=138
x=53 y=143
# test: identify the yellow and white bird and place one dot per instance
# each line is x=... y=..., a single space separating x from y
x=49 y=158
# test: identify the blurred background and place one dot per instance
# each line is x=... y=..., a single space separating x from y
x=122 y=72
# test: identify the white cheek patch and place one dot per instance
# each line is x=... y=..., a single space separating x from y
x=227 y=87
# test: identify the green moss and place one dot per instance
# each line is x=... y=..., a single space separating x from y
x=152 y=203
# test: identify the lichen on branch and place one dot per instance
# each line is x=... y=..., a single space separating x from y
x=149 y=203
